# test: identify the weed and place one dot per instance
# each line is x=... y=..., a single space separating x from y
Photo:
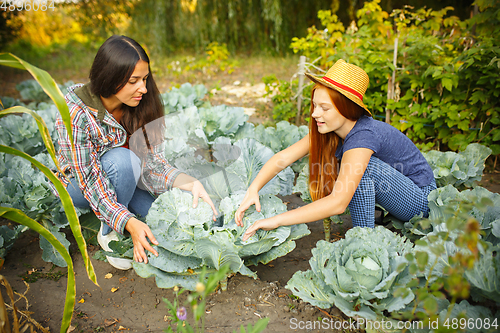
x=81 y=314
x=32 y=275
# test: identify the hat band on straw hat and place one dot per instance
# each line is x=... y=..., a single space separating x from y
x=341 y=86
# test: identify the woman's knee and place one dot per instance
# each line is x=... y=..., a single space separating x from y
x=121 y=162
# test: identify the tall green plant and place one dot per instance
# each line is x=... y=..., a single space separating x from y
x=50 y=87
x=243 y=25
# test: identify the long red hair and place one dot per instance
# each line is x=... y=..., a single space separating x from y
x=323 y=165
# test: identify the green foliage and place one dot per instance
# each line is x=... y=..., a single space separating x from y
x=189 y=239
x=281 y=137
x=243 y=25
x=302 y=185
x=21 y=131
x=217 y=59
x=221 y=120
x=8 y=237
x=453 y=267
x=452 y=263
x=462 y=170
x=24 y=186
x=284 y=97
x=31 y=90
x=191 y=134
x=442 y=199
x=186 y=95
x=446 y=87
x=451 y=279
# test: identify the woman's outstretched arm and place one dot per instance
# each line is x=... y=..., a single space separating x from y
x=352 y=168
x=272 y=167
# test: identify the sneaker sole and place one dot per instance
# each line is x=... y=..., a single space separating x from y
x=118 y=263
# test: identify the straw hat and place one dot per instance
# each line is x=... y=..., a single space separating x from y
x=349 y=80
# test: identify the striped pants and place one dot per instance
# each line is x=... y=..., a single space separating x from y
x=386 y=186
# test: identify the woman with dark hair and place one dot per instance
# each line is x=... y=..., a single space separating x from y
x=110 y=170
x=378 y=163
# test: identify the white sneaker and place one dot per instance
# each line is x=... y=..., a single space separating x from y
x=119 y=263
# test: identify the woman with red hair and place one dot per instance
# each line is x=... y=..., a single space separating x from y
x=354 y=160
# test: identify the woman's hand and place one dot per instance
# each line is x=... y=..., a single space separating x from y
x=251 y=198
x=188 y=183
x=265 y=224
x=198 y=191
x=140 y=233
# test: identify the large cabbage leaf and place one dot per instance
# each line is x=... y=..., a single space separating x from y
x=485 y=276
x=177 y=99
x=437 y=263
x=444 y=201
x=281 y=137
x=471 y=314
x=251 y=160
x=222 y=120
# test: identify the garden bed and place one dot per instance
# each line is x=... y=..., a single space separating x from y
x=137 y=305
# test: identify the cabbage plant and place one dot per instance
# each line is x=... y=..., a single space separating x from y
x=483 y=276
x=49 y=86
x=189 y=239
x=462 y=170
x=444 y=202
x=185 y=96
x=358 y=274
x=458 y=316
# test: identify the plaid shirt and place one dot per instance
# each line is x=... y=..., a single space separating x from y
x=92 y=139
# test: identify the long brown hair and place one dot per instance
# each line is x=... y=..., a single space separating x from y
x=323 y=165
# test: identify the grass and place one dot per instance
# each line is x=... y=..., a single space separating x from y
x=249 y=69
x=63 y=62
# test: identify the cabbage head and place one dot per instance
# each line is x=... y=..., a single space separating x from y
x=358 y=274
x=190 y=240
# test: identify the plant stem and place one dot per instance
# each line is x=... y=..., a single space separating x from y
x=326 y=225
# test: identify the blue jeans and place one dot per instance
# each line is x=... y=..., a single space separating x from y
x=123 y=169
x=386 y=186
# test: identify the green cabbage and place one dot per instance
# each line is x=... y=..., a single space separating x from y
x=358 y=274
x=462 y=170
x=189 y=239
